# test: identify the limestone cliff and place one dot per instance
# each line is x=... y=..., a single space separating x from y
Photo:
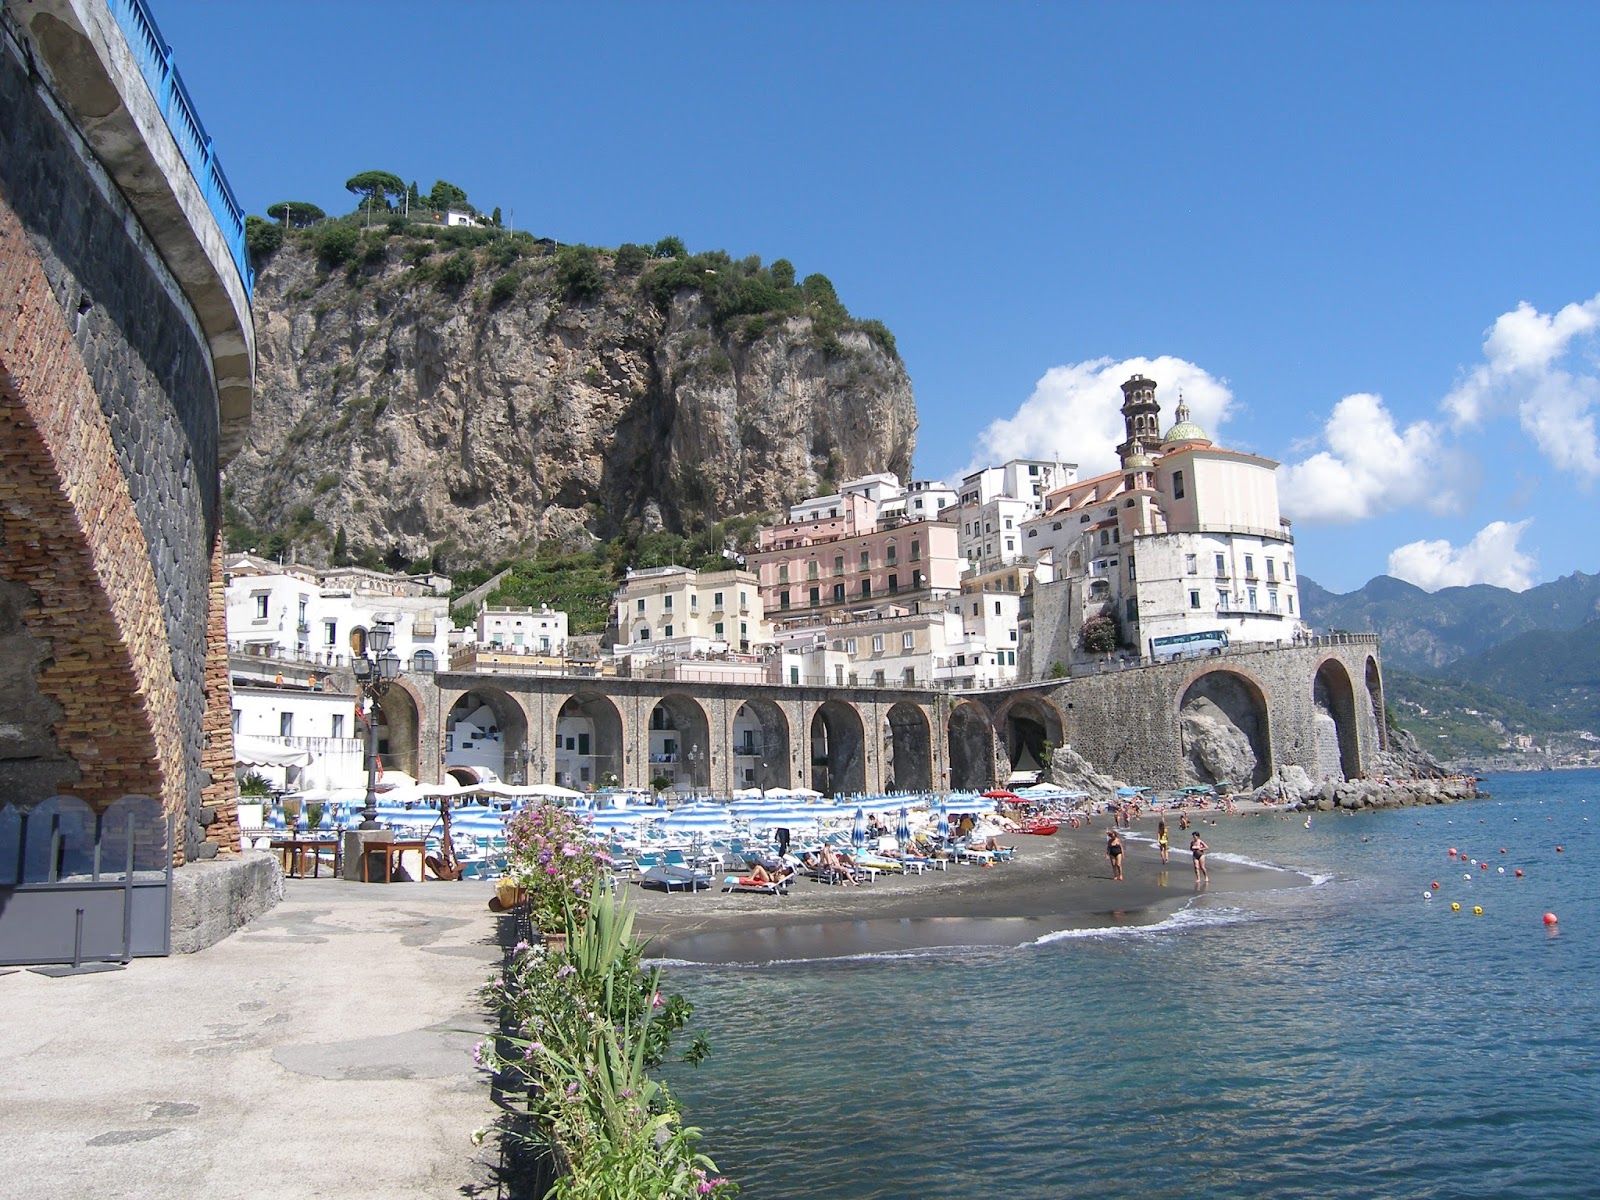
x=531 y=401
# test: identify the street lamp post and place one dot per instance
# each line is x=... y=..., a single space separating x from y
x=375 y=669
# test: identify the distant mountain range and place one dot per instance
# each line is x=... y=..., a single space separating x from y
x=1429 y=631
x=1481 y=656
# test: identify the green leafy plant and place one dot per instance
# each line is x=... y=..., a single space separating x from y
x=458 y=269
x=296 y=214
x=253 y=784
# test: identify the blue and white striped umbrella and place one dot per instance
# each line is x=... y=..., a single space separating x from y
x=618 y=818
x=698 y=818
x=902 y=827
x=943 y=827
x=792 y=816
x=858 y=828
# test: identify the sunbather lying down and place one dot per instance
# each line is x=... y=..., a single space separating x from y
x=760 y=874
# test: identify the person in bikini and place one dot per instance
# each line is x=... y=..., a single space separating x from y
x=1198 y=848
x=1161 y=838
x=1114 y=852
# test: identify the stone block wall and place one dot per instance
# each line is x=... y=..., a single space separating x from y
x=109 y=480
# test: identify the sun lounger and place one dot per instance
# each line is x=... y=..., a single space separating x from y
x=770 y=887
x=668 y=877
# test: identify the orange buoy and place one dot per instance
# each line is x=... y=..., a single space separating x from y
x=1558 y=849
x=1452 y=851
x=1483 y=866
x=1519 y=872
x=1550 y=918
x=1435 y=885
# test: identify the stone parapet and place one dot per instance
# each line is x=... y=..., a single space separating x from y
x=210 y=900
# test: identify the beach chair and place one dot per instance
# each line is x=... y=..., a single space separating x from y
x=772 y=887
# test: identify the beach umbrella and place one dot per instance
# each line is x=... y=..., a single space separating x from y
x=1129 y=791
x=902 y=827
x=943 y=827
x=790 y=817
x=1001 y=794
x=858 y=828
x=698 y=818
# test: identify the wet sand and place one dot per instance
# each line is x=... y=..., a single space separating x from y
x=1054 y=883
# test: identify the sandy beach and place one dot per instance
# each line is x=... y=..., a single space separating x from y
x=1062 y=881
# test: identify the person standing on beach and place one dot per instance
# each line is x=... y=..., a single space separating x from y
x=1114 y=852
x=1161 y=838
x=1198 y=848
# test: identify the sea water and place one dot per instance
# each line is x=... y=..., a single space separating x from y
x=1347 y=1039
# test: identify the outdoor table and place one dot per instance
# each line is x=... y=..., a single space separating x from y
x=391 y=855
x=292 y=851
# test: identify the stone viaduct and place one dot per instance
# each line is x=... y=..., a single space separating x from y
x=126 y=367
x=1240 y=717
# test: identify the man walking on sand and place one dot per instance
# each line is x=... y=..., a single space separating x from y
x=1198 y=848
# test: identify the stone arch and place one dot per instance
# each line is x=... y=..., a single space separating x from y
x=1030 y=727
x=1380 y=712
x=1224 y=727
x=838 y=749
x=680 y=746
x=588 y=741
x=910 y=767
x=465 y=776
x=486 y=728
x=397 y=731
x=761 y=746
x=1338 y=744
x=969 y=736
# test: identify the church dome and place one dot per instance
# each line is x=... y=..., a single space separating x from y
x=1185 y=430
x=1137 y=459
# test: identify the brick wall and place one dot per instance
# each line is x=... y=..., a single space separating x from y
x=219 y=798
x=71 y=536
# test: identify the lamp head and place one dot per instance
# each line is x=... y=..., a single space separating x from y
x=378 y=638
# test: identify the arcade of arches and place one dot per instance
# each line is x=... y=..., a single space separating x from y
x=1165 y=725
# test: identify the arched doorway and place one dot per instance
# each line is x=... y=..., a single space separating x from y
x=1224 y=730
x=680 y=748
x=970 y=740
x=487 y=730
x=1030 y=727
x=397 y=731
x=1380 y=711
x=588 y=743
x=1334 y=720
x=910 y=766
x=838 y=750
x=761 y=746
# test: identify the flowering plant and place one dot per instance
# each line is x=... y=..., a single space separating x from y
x=550 y=856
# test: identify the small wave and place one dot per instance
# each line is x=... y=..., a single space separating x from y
x=1190 y=917
x=924 y=952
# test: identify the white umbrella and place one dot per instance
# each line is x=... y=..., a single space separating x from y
x=807 y=793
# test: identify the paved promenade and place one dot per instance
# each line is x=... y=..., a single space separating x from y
x=319 y=1052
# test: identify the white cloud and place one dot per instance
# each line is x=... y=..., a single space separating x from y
x=1371 y=466
x=1522 y=372
x=1075 y=411
x=1490 y=557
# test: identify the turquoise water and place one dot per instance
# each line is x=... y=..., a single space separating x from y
x=1349 y=1039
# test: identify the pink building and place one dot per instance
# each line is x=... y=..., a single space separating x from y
x=844 y=557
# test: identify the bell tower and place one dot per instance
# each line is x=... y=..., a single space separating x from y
x=1141 y=416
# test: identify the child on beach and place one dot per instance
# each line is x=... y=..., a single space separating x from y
x=1161 y=837
x=1114 y=852
x=1198 y=848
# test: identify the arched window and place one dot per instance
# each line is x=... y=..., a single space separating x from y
x=422 y=662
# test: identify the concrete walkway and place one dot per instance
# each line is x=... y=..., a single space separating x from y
x=326 y=1050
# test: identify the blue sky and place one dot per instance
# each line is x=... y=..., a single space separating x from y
x=1362 y=238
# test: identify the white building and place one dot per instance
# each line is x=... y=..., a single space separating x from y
x=541 y=631
x=996 y=501
x=677 y=612
x=297 y=738
x=1183 y=544
x=307 y=615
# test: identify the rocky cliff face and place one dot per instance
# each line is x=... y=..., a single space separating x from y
x=414 y=415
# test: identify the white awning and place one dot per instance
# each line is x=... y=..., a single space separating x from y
x=259 y=752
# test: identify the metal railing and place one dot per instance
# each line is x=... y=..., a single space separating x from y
x=155 y=59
